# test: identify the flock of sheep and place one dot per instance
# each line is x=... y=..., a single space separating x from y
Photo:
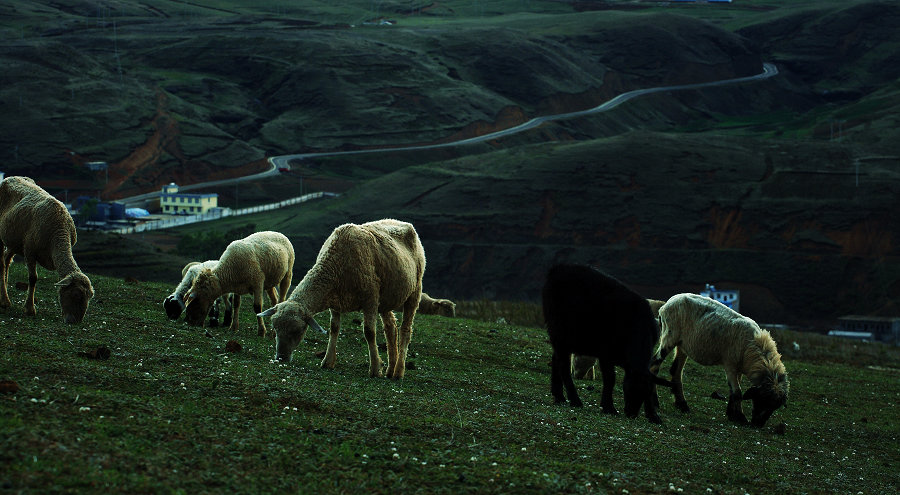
x=377 y=268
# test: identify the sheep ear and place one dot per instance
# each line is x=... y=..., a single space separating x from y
x=269 y=312
x=64 y=282
x=190 y=298
x=313 y=323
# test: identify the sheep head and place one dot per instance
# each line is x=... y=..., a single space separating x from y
x=202 y=294
x=638 y=389
x=767 y=395
x=290 y=322
x=174 y=306
x=75 y=292
x=447 y=308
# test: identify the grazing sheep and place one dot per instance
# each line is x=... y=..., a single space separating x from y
x=38 y=227
x=585 y=367
x=441 y=307
x=589 y=312
x=254 y=264
x=711 y=333
x=174 y=302
x=375 y=268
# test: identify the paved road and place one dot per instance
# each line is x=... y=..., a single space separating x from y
x=283 y=161
x=769 y=70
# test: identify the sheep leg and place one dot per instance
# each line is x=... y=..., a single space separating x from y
x=234 y=312
x=583 y=367
x=32 y=282
x=284 y=287
x=273 y=296
x=661 y=354
x=609 y=381
x=561 y=376
x=734 y=411
x=409 y=313
x=257 y=309
x=228 y=309
x=369 y=327
x=334 y=328
x=391 y=336
x=655 y=364
x=4 y=273
x=556 y=381
x=677 y=386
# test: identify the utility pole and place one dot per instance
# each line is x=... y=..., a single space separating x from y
x=116 y=46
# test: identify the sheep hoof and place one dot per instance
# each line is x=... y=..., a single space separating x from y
x=30 y=312
x=398 y=372
x=576 y=402
x=611 y=410
x=683 y=407
x=738 y=418
x=655 y=419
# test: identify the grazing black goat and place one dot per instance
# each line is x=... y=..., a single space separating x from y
x=590 y=313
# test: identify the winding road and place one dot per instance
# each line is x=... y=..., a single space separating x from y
x=283 y=161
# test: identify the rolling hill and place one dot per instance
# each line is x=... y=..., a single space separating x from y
x=783 y=189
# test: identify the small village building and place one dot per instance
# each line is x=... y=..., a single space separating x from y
x=101 y=211
x=730 y=298
x=176 y=203
x=875 y=328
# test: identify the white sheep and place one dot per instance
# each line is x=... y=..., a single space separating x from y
x=174 y=302
x=375 y=268
x=255 y=264
x=38 y=227
x=441 y=307
x=711 y=334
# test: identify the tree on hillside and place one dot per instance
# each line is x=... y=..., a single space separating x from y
x=87 y=210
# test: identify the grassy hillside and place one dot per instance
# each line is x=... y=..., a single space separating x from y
x=124 y=83
x=788 y=225
x=753 y=186
x=171 y=410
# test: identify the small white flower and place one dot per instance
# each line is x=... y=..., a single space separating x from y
x=396 y=455
x=84 y=409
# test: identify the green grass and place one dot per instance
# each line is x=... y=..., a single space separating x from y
x=171 y=411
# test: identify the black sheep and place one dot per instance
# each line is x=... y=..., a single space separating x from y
x=588 y=312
